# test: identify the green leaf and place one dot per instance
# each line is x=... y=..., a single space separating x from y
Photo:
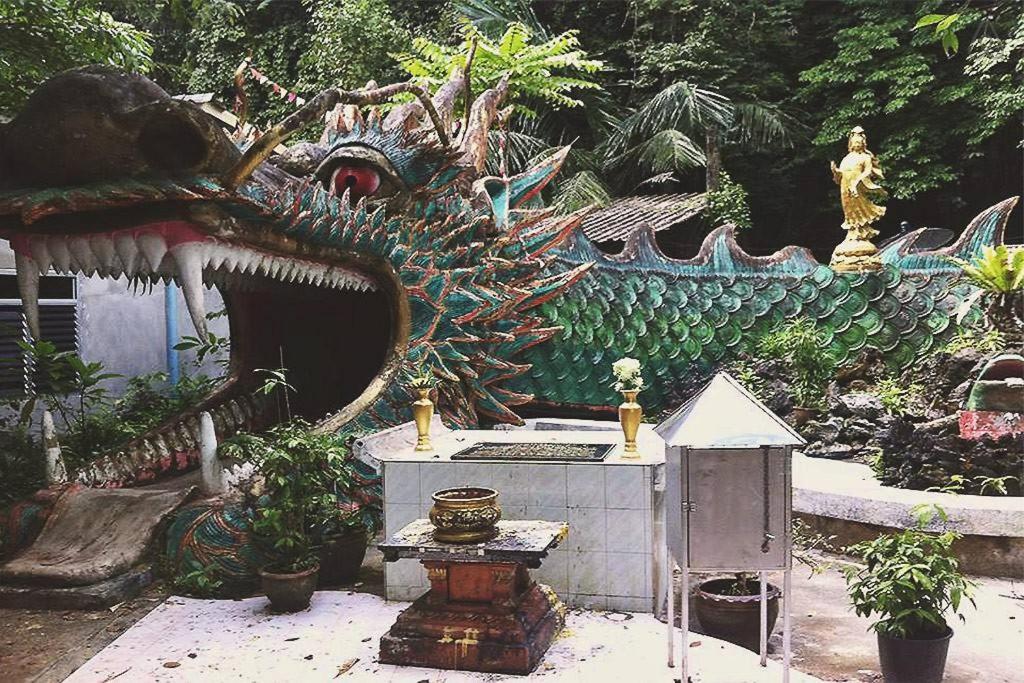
x=929 y=19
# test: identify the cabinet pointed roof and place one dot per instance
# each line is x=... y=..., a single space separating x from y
x=725 y=415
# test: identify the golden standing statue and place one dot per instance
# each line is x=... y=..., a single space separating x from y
x=856 y=189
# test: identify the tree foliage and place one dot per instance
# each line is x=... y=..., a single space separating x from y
x=551 y=71
x=39 y=38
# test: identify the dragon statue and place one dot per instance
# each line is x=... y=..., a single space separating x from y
x=383 y=248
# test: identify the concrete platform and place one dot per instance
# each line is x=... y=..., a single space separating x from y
x=337 y=639
x=844 y=499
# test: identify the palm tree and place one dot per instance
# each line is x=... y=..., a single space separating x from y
x=684 y=126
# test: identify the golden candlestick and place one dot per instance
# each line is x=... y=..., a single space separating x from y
x=422 y=413
x=630 y=413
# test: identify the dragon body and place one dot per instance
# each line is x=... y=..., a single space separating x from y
x=382 y=249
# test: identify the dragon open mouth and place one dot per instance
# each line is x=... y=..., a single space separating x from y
x=284 y=311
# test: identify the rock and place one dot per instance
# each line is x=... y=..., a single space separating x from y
x=835 y=451
x=825 y=432
x=858 y=404
x=858 y=430
x=944 y=425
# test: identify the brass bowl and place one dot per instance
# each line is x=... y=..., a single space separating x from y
x=465 y=514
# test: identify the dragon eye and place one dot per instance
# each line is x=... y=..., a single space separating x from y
x=360 y=181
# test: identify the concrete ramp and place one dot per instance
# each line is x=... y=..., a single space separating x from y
x=93 y=535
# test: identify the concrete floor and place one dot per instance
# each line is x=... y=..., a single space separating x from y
x=830 y=642
x=833 y=643
x=337 y=638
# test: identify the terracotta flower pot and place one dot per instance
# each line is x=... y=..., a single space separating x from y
x=735 y=618
x=289 y=592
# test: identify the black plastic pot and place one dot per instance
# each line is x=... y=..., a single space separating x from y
x=289 y=592
x=341 y=557
x=911 y=660
x=735 y=618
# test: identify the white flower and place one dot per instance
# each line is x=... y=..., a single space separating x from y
x=626 y=367
x=627 y=375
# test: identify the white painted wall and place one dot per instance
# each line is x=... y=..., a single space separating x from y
x=125 y=331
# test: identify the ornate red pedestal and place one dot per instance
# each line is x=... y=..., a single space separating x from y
x=483 y=611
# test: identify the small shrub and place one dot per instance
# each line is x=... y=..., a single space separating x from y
x=746 y=374
x=966 y=337
x=801 y=346
x=728 y=204
x=896 y=396
x=910 y=580
x=200 y=583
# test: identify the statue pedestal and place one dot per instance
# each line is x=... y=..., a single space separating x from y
x=854 y=256
x=483 y=611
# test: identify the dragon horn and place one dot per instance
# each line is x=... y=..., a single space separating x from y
x=315 y=109
x=484 y=111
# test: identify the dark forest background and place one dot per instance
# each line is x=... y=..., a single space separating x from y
x=943 y=114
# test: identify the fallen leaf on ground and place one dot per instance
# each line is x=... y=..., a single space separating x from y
x=172 y=665
x=346 y=665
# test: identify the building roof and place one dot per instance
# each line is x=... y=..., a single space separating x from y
x=725 y=415
x=661 y=211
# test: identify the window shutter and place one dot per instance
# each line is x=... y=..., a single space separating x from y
x=13 y=375
x=58 y=323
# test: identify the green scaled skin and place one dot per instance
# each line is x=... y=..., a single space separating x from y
x=685 y=317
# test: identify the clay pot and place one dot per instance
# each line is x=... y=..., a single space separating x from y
x=341 y=557
x=735 y=618
x=289 y=592
x=466 y=514
x=913 y=660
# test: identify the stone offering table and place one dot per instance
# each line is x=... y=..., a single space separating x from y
x=613 y=557
x=483 y=611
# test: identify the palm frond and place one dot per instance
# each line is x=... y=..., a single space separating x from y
x=579 y=191
x=665 y=151
x=681 y=106
x=492 y=17
x=762 y=126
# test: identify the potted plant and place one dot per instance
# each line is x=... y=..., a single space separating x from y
x=303 y=473
x=909 y=581
x=730 y=607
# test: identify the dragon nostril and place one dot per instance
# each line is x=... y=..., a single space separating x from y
x=172 y=143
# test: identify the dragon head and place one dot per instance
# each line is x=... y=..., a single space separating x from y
x=358 y=260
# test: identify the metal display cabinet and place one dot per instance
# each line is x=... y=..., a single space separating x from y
x=728 y=497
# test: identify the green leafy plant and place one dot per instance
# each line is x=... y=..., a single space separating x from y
x=728 y=204
x=970 y=337
x=549 y=71
x=802 y=347
x=999 y=275
x=943 y=30
x=909 y=581
x=204 y=582
x=896 y=396
x=303 y=473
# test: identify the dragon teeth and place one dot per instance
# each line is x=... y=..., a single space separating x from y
x=147 y=255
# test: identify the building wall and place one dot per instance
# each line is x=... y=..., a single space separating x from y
x=126 y=331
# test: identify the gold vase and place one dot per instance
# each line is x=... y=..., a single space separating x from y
x=423 y=412
x=630 y=413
